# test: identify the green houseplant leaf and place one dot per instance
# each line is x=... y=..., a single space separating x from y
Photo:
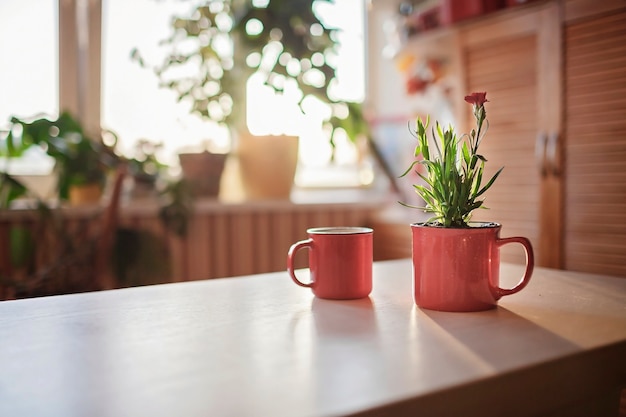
x=287 y=32
x=78 y=158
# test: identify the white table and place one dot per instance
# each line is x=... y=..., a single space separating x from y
x=261 y=346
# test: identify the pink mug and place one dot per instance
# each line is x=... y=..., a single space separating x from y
x=458 y=269
x=340 y=262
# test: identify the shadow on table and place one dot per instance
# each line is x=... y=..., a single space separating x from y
x=501 y=338
x=346 y=318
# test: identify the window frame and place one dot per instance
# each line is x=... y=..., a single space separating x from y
x=80 y=35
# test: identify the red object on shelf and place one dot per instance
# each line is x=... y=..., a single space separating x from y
x=493 y=5
x=510 y=3
x=423 y=20
x=453 y=11
x=456 y=10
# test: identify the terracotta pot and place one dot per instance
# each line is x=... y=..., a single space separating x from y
x=143 y=188
x=267 y=165
x=458 y=269
x=203 y=171
x=79 y=195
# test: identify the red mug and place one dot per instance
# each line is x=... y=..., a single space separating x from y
x=340 y=262
x=458 y=269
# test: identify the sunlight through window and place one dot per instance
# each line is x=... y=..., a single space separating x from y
x=28 y=81
x=136 y=107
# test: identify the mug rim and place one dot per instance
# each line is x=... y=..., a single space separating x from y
x=339 y=230
x=473 y=226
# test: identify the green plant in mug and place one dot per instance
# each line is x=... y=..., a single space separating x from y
x=454 y=169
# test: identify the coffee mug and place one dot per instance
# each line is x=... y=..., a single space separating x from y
x=340 y=262
x=458 y=269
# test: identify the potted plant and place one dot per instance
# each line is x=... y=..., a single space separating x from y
x=10 y=189
x=145 y=169
x=81 y=164
x=455 y=261
x=202 y=170
x=223 y=43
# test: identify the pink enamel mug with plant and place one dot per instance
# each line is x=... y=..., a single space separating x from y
x=456 y=262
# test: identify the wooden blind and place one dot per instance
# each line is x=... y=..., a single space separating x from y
x=506 y=67
x=595 y=130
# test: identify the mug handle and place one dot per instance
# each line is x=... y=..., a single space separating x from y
x=530 y=265
x=290 y=257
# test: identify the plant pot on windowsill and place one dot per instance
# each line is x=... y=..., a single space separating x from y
x=456 y=263
x=203 y=172
x=267 y=166
x=84 y=194
x=83 y=170
x=145 y=170
x=143 y=187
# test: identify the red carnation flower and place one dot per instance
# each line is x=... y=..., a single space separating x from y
x=477 y=99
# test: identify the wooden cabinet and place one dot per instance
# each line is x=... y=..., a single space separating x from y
x=595 y=136
x=555 y=74
x=515 y=57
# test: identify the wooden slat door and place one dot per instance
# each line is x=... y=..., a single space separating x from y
x=515 y=59
x=595 y=128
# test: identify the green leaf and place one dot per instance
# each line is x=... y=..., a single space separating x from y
x=412 y=206
x=10 y=189
x=466 y=154
x=13 y=148
x=435 y=139
x=421 y=127
x=409 y=168
x=418 y=150
x=486 y=187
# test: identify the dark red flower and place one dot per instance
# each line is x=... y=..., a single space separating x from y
x=477 y=99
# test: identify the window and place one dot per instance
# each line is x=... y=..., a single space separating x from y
x=129 y=100
x=28 y=52
x=135 y=107
x=29 y=70
x=263 y=117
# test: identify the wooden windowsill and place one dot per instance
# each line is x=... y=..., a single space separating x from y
x=300 y=199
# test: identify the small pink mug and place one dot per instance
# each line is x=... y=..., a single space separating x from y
x=458 y=269
x=340 y=262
